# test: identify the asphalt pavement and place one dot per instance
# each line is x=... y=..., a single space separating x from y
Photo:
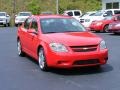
x=23 y=73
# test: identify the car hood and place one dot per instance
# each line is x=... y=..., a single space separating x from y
x=74 y=38
x=94 y=18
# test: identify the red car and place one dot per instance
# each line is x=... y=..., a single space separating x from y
x=102 y=25
x=60 y=41
x=114 y=27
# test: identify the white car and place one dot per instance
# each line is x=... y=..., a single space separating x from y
x=4 y=19
x=99 y=15
x=21 y=17
x=74 y=13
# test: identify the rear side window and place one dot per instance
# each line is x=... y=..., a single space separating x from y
x=77 y=13
x=27 y=23
x=70 y=14
x=34 y=25
x=117 y=11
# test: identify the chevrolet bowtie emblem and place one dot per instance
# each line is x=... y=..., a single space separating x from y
x=85 y=48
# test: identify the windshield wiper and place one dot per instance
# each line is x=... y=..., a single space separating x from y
x=50 y=32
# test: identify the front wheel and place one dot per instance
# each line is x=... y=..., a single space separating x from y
x=20 y=52
x=42 y=60
x=105 y=28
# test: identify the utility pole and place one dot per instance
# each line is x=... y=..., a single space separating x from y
x=57 y=6
x=14 y=6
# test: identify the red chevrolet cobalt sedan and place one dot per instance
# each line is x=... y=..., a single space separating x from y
x=60 y=41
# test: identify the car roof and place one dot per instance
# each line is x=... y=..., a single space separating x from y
x=50 y=16
x=71 y=11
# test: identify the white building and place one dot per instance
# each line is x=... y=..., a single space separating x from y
x=110 y=4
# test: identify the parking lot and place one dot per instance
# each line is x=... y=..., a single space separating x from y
x=23 y=73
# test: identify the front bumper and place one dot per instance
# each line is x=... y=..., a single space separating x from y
x=69 y=60
x=2 y=22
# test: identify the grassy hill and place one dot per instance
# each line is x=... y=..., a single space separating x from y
x=37 y=6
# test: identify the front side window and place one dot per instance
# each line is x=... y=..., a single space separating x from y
x=27 y=23
x=109 y=13
x=60 y=25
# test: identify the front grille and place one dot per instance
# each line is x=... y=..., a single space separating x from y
x=85 y=62
x=87 y=48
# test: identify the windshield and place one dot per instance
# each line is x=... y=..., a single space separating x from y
x=108 y=18
x=99 y=13
x=2 y=14
x=24 y=14
x=59 y=25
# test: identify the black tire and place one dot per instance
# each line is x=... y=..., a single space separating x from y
x=116 y=33
x=42 y=60
x=9 y=24
x=5 y=25
x=16 y=25
x=97 y=31
x=105 y=29
x=19 y=48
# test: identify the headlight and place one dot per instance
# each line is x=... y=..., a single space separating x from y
x=102 y=45
x=99 y=23
x=58 y=47
x=16 y=19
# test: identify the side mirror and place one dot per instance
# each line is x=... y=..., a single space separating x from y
x=115 y=19
x=104 y=15
x=15 y=15
x=32 y=31
x=8 y=16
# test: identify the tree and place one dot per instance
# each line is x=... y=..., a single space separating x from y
x=34 y=6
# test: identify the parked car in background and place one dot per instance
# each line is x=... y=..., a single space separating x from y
x=60 y=41
x=74 y=13
x=114 y=27
x=47 y=13
x=21 y=17
x=102 y=25
x=4 y=19
x=99 y=15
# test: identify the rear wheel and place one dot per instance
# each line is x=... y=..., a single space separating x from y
x=42 y=60
x=20 y=52
x=116 y=33
x=105 y=29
